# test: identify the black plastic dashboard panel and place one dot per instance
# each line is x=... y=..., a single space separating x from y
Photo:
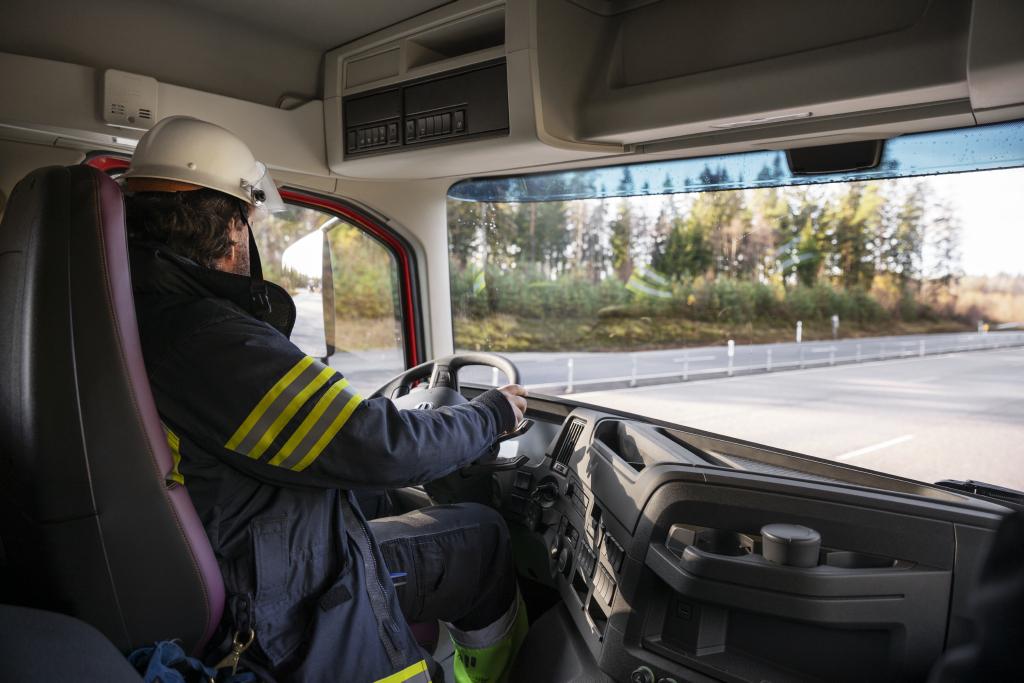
x=887 y=597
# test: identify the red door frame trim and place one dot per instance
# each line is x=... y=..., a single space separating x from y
x=110 y=163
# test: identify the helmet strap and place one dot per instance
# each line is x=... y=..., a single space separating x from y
x=257 y=286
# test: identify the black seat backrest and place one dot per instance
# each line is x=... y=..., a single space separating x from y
x=85 y=514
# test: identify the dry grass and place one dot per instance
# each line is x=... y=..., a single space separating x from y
x=367 y=334
x=506 y=333
x=997 y=299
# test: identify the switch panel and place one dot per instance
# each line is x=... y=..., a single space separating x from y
x=434 y=110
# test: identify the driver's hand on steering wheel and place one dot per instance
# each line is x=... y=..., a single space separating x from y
x=516 y=395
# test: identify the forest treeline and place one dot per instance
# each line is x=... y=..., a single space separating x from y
x=866 y=251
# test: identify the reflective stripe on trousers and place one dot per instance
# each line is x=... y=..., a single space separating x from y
x=417 y=673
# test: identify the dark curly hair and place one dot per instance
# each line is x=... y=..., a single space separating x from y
x=194 y=224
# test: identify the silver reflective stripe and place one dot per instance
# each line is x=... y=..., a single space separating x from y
x=490 y=635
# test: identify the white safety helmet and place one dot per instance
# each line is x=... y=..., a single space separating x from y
x=181 y=153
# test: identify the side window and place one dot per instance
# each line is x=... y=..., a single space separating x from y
x=346 y=291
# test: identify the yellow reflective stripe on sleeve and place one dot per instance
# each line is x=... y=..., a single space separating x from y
x=321 y=425
x=334 y=428
x=278 y=407
x=289 y=412
x=173 y=477
x=411 y=674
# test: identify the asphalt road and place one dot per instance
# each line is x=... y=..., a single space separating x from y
x=549 y=372
x=953 y=416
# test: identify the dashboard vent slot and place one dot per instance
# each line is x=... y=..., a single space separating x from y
x=568 y=445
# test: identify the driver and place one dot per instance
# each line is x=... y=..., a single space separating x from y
x=272 y=445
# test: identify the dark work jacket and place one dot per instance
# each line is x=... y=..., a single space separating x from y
x=269 y=444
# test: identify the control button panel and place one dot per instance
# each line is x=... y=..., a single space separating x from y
x=604 y=584
x=463 y=104
x=568 y=531
x=586 y=560
x=373 y=137
x=580 y=500
x=435 y=125
x=612 y=552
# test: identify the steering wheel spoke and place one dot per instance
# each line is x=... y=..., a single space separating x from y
x=443 y=381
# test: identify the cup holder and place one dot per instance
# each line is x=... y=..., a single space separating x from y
x=720 y=542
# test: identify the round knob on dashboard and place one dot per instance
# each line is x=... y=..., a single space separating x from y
x=642 y=675
x=563 y=559
x=790 y=545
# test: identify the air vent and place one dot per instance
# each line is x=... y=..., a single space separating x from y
x=568 y=445
x=117 y=109
x=144 y=114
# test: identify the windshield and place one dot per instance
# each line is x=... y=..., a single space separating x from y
x=873 y=318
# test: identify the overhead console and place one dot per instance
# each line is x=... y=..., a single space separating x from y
x=679 y=555
x=540 y=84
x=464 y=74
x=470 y=104
x=700 y=76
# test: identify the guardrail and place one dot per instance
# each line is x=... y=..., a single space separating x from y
x=888 y=350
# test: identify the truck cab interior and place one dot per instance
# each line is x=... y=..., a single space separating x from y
x=648 y=549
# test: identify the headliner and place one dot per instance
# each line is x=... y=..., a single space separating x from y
x=255 y=50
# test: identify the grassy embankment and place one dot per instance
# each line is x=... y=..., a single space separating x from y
x=507 y=333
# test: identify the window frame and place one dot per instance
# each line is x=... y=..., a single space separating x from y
x=397 y=246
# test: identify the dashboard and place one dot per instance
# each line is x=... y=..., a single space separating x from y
x=681 y=555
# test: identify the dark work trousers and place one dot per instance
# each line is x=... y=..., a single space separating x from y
x=457 y=560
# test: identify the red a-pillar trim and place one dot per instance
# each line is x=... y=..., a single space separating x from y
x=110 y=163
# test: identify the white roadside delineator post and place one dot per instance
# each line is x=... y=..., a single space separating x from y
x=799 y=330
x=731 y=353
x=921 y=350
x=831 y=355
x=568 y=389
x=858 y=353
x=686 y=366
x=768 y=367
x=632 y=377
x=494 y=376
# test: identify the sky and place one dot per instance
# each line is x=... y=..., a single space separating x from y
x=991 y=206
x=306 y=255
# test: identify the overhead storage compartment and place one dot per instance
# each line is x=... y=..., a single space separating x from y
x=460 y=74
x=690 y=74
x=675 y=39
x=591 y=80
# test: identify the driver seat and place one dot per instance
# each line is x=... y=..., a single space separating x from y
x=86 y=517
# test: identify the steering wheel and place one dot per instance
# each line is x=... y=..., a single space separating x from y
x=443 y=386
x=443 y=390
